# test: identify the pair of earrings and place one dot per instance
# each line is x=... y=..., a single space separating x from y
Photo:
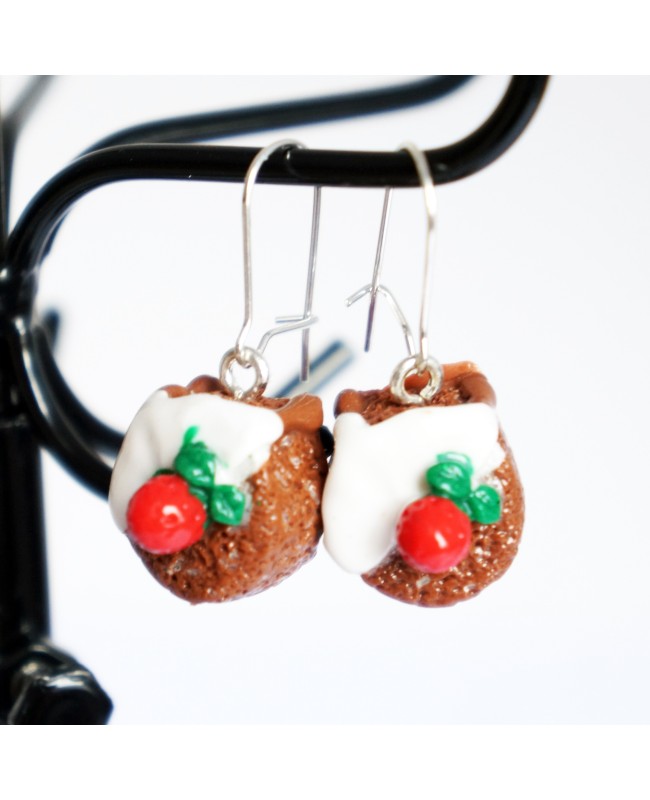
x=224 y=492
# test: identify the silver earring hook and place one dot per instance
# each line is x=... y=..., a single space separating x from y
x=241 y=354
x=379 y=256
x=309 y=292
x=431 y=207
x=420 y=362
x=311 y=280
x=374 y=288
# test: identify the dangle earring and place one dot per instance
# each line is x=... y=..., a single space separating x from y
x=217 y=487
x=422 y=498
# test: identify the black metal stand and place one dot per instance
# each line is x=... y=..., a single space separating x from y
x=38 y=683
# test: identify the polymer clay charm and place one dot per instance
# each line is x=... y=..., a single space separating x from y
x=422 y=498
x=219 y=497
x=424 y=502
x=218 y=487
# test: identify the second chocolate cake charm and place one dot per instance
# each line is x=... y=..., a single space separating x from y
x=423 y=502
x=422 y=498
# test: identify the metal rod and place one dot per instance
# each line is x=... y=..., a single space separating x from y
x=4 y=199
x=38 y=223
x=272 y=116
x=10 y=126
x=250 y=178
x=379 y=256
x=431 y=208
x=311 y=281
x=23 y=577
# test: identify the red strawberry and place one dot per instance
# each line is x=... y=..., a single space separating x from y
x=164 y=516
x=433 y=534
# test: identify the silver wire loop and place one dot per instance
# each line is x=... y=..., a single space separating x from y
x=374 y=286
x=431 y=208
x=311 y=277
x=419 y=362
x=247 y=357
x=413 y=365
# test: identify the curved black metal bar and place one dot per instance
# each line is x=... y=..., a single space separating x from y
x=92 y=430
x=26 y=102
x=13 y=121
x=4 y=193
x=270 y=116
x=297 y=167
x=45 y=408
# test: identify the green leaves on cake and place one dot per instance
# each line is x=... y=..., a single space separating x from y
x=451 y=477
x=197 y=464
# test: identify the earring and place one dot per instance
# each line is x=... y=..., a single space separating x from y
x=422 y=499
x=218 y=487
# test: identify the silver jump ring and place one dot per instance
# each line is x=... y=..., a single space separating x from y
x=246 y=357
x=415 y=365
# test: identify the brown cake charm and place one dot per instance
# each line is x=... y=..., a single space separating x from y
x=422 y=497
x=424 y=502
x=221 y=497
x=219 y=488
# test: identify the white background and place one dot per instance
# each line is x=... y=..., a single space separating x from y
x=541 y=278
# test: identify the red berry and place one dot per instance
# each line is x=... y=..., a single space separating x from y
x=164 y=516
x=433 y=534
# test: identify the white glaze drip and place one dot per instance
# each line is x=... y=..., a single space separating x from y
x=240 y=434
x=379 y=469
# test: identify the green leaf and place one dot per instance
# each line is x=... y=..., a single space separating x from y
x=202 y=494
x=456 y=458
x=485 y=505
x=450 y=479
x=162 y=472
x=464 y=506
x=227 y=505
x=195 y=462
x=190 y=433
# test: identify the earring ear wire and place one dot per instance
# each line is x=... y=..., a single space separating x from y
x=309 y=291
x=419 y=362
x=204 y=468
x=249 y=357
x=422 y=498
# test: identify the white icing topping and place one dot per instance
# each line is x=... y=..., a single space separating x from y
x=379 y=469
x=240 y=434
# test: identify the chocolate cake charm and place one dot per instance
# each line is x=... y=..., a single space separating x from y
x=217 y=487
x=422 y=499
x=425 y=502
x=221 y=498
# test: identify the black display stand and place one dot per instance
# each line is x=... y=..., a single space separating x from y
x=39 y=684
